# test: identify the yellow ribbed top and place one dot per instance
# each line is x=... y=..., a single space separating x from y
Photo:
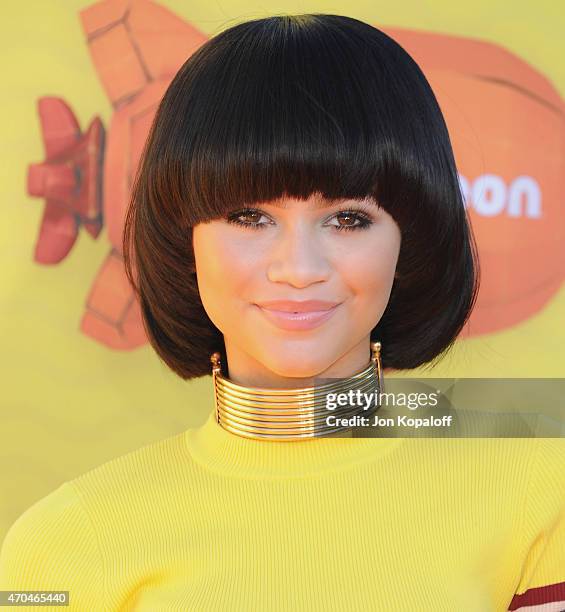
x=207 y=520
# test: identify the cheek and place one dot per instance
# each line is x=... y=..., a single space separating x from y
x=234 y=267
x=369 y=271
x=223 y=270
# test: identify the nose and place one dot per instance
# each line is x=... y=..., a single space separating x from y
x=297 y=258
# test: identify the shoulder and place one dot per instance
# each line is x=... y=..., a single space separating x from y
x=46 y=522
x=526 y=475
x=165 y=450
x=52 y=546
x=546 y=484
x=154 y=467
x=542 y=574
x=62 y=540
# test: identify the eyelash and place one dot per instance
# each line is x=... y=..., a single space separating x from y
x=365 y=221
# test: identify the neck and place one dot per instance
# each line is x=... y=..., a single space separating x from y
x=292 y=413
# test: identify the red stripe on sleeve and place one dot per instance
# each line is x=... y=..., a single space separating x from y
x=538 y=595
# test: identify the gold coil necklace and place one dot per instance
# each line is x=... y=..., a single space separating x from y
x=291 y=414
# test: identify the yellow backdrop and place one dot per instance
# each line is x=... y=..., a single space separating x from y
x=68 y=403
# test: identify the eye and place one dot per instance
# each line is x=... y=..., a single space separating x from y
x=354 y=219
x=348 y=215
x=250 y=213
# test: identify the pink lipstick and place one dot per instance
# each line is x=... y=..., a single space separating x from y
x=298 y=316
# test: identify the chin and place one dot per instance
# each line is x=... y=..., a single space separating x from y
x=303 y=367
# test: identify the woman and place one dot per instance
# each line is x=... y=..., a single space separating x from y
x=297 y=223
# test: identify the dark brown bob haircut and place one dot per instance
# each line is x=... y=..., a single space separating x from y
x=291 y=106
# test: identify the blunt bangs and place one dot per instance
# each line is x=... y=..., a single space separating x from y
x=292 y=106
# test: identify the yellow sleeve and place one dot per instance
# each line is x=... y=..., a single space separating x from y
x=542 y=581
x=52 y=547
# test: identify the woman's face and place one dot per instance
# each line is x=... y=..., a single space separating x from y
x=292 y=250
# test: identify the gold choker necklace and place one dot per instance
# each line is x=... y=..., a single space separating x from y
x=291 y=414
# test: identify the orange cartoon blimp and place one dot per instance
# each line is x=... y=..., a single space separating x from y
x=136 y=48
x=506 y=121
x=507 y=127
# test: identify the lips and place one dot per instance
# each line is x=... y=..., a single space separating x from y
x=298 y=321
x=296 y=306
